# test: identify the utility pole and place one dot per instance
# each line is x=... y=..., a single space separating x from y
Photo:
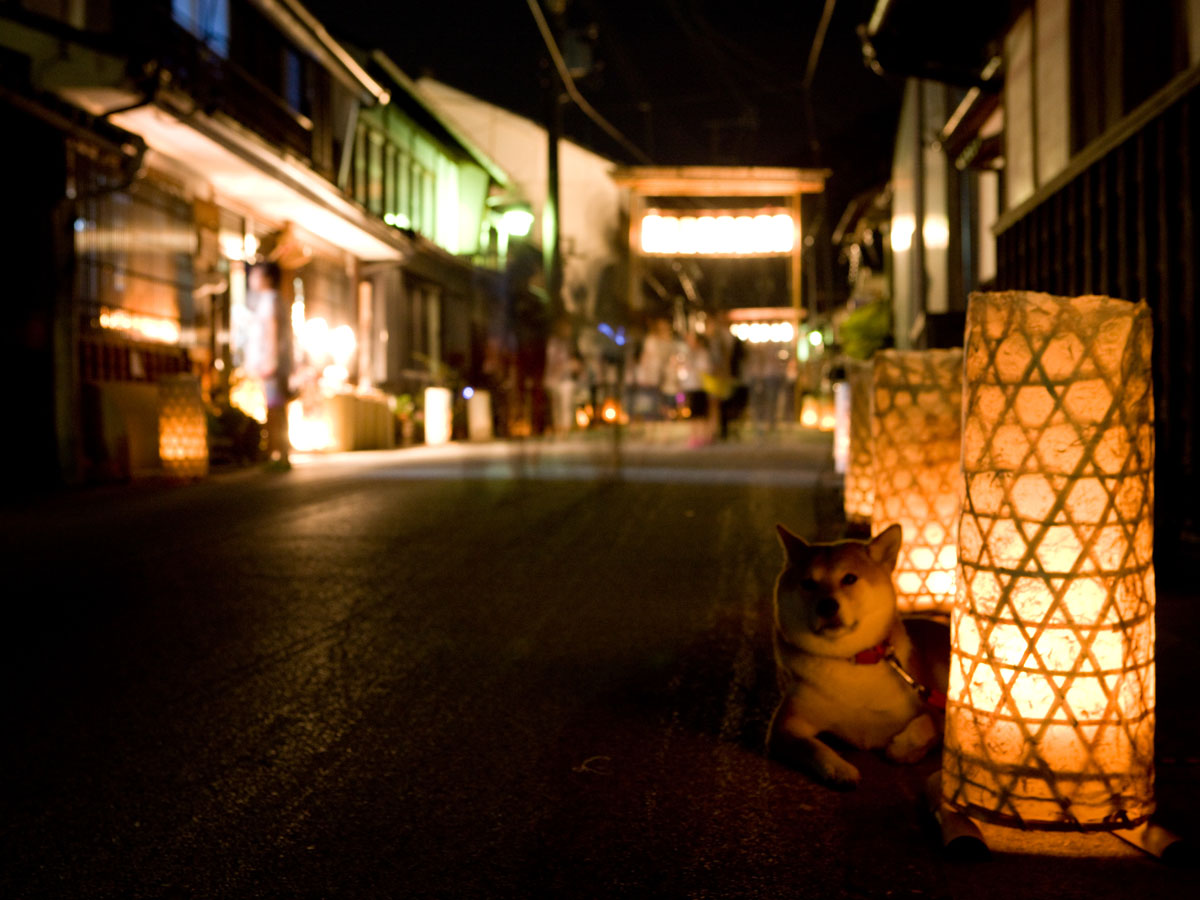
x=552 y=211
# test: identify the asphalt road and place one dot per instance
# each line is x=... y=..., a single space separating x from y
x=509 y=671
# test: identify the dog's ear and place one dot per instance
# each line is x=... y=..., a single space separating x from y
x=794 y=547
x=885 y=546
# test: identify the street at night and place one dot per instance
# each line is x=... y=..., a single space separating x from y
x=510 y=670
x=415 y=409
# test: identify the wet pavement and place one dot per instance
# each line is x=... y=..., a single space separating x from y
x=507 y=670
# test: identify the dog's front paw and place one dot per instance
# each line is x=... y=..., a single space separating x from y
x=916 y=740
x=835 y=772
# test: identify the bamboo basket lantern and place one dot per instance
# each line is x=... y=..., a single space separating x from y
x=182 y=427
x=1050 y=717
x=859 y=479
x=916 y=406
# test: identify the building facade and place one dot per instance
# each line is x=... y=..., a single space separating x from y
x=1059 y=150
x=222 y=190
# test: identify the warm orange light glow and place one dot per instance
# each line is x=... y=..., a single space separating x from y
x=182 y=427
x=1050 y=719
x=915 y=435
x=248 y=395
x=309 y=430
x=610 y=411
x=860 y=471
x=827 y=414
x=138 y=325
x=810 y=411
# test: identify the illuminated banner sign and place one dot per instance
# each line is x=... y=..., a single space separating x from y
x=718 y=233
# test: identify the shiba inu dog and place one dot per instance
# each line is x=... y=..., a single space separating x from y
x=846 y=661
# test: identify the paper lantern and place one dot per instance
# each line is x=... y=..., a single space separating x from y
x=817 y=411
x=827 y=413
x=916 y=405
x=439 y=420
x=810 y=411
x=182 y=427
x=1050 y=718
x=859 y=480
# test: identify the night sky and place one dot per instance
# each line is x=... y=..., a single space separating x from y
x=689 y=82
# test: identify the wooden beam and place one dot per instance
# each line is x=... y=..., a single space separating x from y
x=720 y=181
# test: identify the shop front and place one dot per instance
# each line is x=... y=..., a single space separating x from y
x=297 y=309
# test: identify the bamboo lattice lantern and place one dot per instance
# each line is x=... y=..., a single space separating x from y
x=916 y=405
x=182 y=427
x=859 y=490
x=1050 y=719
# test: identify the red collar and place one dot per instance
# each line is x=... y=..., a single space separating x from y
x=883 y=651
x=872 y=655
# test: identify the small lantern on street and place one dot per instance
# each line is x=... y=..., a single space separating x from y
x=827 y=410
x=859 y=481
x=1050 y=717
x=439 y=418
x=818 y=411
x=810 y=411
x=182 y=427
x=916 y=398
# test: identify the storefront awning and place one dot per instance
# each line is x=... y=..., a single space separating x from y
x=251 y=174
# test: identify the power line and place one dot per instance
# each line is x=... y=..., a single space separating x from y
x=814 y=52
x=569 y=83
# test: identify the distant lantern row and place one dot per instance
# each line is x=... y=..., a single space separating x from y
x=718 y=235
x=764 y=332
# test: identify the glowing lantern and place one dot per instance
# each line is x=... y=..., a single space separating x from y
x=313 y=428
x=810 y=411
x=916 y=441
x=438 y=416
x=1050 y=719
x=182 y=427
x=859 y=481
x=827 y=419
